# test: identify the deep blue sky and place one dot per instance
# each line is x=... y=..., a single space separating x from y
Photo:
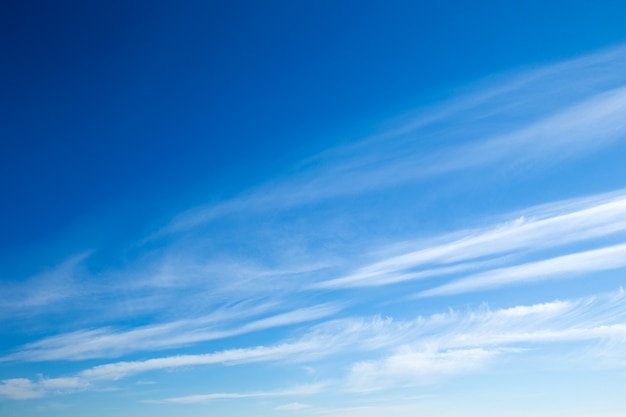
x=140 y=101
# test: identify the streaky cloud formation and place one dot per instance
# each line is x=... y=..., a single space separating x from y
x=291 y=406
x=612 y=257
x=440 y=345
x=303 y=390
x=107 y=342
x=50 y=288
x=391 y=158
x=467 y=257
x=556 y=225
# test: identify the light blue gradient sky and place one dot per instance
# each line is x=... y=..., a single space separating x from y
x=315 y=211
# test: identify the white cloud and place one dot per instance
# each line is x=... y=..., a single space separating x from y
x=570 y=132
x=549 y=226
x=447 y=344
x=292 y=407
x=293 y=391
x=43 y=290
x=611 y=257
x=20 y=389
x=408 y=366
x=25 y=389
x=118 y=370
x=555 y=125
x=434 y=346
x=62 y=383
x=107 y=342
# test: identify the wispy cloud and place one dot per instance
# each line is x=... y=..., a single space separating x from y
x=119 y=370
x=43 y=290
x=20 y=389
x=555 y=225
x=293 y=391
x=445 y=345
x=410 y=366
x=611 y=257
x=553 y=121
x=434 y=346
x=292 y=407
x=108 y=342
x=25 y=389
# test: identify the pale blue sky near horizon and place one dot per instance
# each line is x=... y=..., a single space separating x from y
x=313 y=209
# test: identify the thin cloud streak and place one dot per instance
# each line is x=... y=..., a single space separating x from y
x=408 y=366
x=101 y=343
x=45 y=290
x=601 y=216
x=579 y=320
x=200 y=398
x=25 y=389
x=119 y=370
x=292 y=407
x=560 y=130
x=612 y=257
x=439 y=341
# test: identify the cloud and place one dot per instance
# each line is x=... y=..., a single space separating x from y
x=611 y=257
x=410 y=366
x=26 y=389
x=439 y=345
x=572 y=131
x=107 y=342
x=293 y=391
x=20 y=389
x=537 y=115
x=321 y=341
x=118 y=370
x=454 y=343
x=39 y=292
x=292 y=407
x=544 y=227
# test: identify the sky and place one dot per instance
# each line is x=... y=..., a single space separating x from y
x=316 y=209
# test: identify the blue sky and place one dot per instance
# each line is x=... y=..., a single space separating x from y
x=313 y=209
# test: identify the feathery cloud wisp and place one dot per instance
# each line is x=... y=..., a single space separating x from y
x=550 y=226
x=439 y=345
x=611 y=257
x=547 y=133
